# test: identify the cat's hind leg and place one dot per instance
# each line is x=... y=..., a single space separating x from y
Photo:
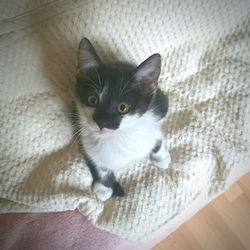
x=102 y=192
x=106 y=185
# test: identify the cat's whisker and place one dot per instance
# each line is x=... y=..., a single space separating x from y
x=88 y=79
x=96 y=88
x=95 y=85
x=99 y=78
x=76 y=136
x=75 y=133
x=71 y=114
x=121 y=83
x=126 y=84
x=126 y=91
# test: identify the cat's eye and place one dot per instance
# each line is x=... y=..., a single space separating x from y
x=123 y=108
x=92 y=100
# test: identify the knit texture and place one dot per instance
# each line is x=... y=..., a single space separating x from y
x=205 y=47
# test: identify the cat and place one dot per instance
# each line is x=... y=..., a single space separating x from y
x=120 y=109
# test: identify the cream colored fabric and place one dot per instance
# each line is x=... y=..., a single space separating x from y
x=205 y=71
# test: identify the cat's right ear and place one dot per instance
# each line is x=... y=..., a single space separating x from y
x=87 y=56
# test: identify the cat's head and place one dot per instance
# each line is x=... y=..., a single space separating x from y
x=110 y=94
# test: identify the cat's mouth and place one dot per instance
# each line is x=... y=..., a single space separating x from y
x=101 y=131
x=104 y=131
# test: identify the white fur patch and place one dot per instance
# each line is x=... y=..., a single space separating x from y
x=102 y=192
x=114 y=149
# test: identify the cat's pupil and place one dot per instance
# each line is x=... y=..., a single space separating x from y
x=92 y=100
x=123 y=108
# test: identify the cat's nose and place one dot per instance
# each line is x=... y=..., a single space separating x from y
x=100 y=122
x=105 y=123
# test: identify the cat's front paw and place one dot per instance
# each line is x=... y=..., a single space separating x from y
x=161 y=159
x=102 y=192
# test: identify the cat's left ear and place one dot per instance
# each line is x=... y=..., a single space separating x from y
x=147 y=74
x=87 y=56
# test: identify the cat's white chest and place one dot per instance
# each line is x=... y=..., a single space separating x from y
x=117 y=149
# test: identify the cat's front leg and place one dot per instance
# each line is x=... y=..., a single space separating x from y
x=106 y=185
x=160 y=155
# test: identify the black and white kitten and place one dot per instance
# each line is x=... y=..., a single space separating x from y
x=120 y=110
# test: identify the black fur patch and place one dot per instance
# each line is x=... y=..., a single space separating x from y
x=157 y=146
x=117 y=86
x=118 y=190
x=113 y=84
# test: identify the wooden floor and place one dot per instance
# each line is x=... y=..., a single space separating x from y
x=222 y=224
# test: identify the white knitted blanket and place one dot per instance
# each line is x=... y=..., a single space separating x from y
x=205 y=47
